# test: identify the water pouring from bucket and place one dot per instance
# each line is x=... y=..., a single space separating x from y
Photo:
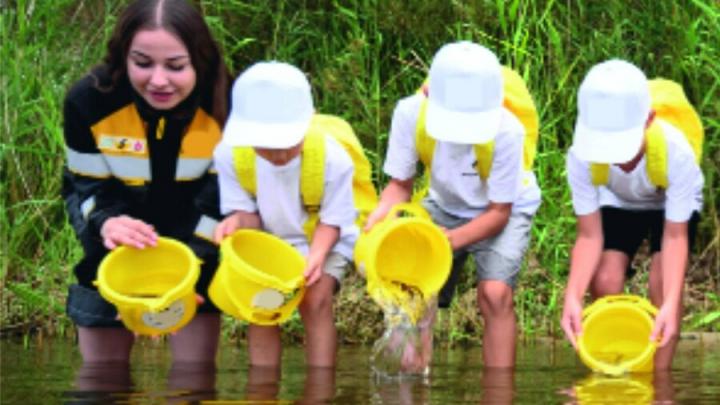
x=406 y=259
x=616 y=335
x=153 y=289
x=260 y=278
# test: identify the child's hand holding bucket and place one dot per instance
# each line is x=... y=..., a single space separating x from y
x=323 y=239
x=666 y=325
x=572 y=319
x=314 y=270
x=233 y=222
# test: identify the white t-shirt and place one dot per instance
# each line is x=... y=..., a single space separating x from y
x=279 y=203
x=454 y=183
x=634 y=191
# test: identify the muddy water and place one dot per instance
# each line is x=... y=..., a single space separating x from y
x=50 y=371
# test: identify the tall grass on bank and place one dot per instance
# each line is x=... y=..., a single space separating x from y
x=361 y=56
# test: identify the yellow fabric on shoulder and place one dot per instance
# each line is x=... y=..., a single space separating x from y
x=670 y=104
x=312 y=172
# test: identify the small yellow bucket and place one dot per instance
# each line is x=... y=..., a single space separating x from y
x=616 y=335
x=260 y=278
x=404 y=258
x=152 y=288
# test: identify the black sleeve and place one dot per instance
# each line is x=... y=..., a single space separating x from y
x=208 y=199
x=90 y=192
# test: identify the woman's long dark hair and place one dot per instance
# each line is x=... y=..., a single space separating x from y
x=183 y=20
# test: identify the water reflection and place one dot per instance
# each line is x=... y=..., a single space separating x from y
x=319 y=386
x=191 y=382
x=640 y=388
x=403 y=390
x=112 y=383
x=498 y=386
x=50 y=372
x=263 y=384
x=100 y=383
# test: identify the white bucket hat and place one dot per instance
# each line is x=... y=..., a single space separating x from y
x=613 y=107
x=271 y=107
x=465 y=94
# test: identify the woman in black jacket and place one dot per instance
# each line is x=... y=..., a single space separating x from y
x=140 y=130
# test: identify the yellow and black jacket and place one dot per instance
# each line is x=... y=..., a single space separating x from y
x=124 y=157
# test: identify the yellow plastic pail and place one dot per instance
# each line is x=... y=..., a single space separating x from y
x=260 y=278
x=152 y=288
x=616 y=335
x=403 y=256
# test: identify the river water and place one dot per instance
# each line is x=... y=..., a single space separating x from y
x=36 y=371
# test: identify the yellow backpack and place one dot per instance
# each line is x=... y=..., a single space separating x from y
x=312 y=172
x=517 y=99
x=670 y=104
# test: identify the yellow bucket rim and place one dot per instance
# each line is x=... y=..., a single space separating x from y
x=150 y=304
x=249 y=272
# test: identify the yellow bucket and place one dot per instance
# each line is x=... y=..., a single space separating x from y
x=152 y=288
x=260 y=278
x=403 y=257
x=616 y=335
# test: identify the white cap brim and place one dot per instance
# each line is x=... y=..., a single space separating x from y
x=474 y=127
x=596 y=146
x=239 y=132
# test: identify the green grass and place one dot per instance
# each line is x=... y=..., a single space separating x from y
x=361 y=57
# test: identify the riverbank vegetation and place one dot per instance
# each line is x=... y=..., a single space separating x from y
x=361 y=57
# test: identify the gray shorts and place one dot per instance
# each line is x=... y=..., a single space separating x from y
x=337 y=265
x=497 y=258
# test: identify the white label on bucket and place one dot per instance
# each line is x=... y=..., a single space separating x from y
x=166 y=318
x=268 y=299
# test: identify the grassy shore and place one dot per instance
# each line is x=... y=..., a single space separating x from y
x=361 y=57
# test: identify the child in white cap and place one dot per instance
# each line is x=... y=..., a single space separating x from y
x=614 y=118
x=272 y=109
x=490 y=218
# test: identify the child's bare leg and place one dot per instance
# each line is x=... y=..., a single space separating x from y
x=197 y=342
x=610 y=275
x=264 y=346
x=495 y=299
x=316 y=310
x=104 y=345
x=663 y=356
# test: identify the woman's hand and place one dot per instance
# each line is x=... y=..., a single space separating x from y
x=124 y=230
